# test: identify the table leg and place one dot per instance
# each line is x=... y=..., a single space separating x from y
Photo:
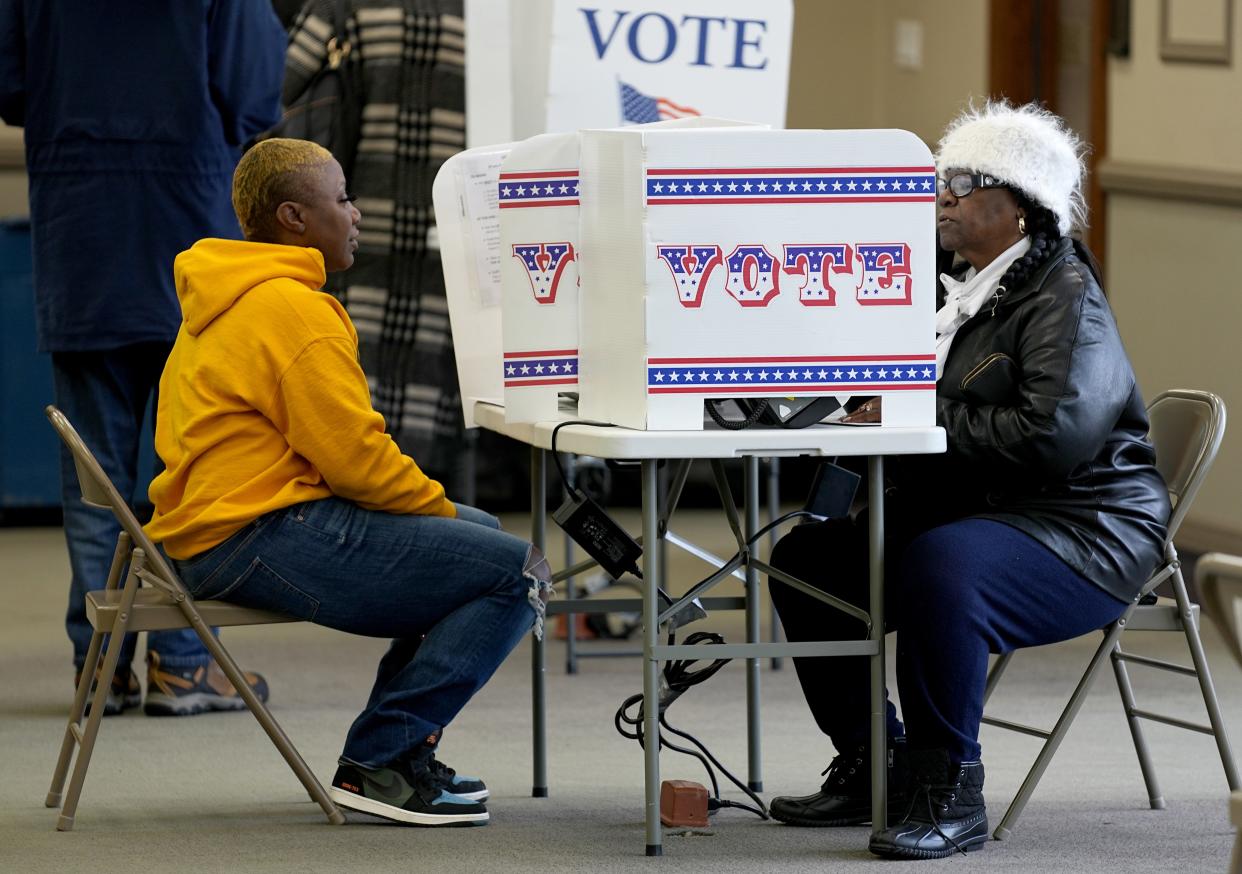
x=571 y=590
x=774 y=510
x=651 y=686
x=879 y=716
x=753 y=721
x=538 y=655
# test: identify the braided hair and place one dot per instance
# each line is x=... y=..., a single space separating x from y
x=1041 y=226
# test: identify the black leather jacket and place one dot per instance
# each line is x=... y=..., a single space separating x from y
x=1047 y=431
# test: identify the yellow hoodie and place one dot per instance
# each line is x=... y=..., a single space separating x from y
x=262 y=403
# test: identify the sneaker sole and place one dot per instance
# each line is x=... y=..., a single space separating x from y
x=189 y=705
x=387 y=811
x=481 y=795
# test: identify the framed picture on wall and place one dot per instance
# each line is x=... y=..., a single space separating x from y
x=1196 y=30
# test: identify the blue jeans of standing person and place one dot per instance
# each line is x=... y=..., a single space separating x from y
x=105 y=394
x=953 y=594
x=455 y=595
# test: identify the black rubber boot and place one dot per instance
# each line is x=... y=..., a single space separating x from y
x=945 y=813
x=845 y=797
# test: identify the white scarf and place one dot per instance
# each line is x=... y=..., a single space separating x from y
x=965 y=297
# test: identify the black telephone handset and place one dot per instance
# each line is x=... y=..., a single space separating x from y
x=775 y=412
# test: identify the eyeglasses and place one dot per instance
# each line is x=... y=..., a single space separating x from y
x=962 y=184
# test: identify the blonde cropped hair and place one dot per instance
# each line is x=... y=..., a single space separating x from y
x=270 y=173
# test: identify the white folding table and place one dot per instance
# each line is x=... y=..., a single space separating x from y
x=648 y=447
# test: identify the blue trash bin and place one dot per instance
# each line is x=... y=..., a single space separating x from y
x=29 y=466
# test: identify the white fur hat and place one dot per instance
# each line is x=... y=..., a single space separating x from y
x=1026 y=147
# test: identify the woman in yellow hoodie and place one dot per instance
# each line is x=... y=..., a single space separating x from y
x=282 y=490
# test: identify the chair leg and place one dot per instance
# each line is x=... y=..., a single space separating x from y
x=1009 y=822
x=1154 y=796
x=86 y=740
x=1191 y=628
x=994 y=675
x=76 y=711
x=304 y=774
x=90 y=667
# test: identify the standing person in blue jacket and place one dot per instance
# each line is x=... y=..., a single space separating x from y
x=134 y=115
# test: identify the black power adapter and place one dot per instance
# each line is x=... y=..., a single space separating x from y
x=832 y=491
x=587 y=523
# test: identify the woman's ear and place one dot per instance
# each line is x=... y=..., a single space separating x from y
x=289 y=216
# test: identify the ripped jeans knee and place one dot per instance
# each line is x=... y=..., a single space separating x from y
x=537 y=570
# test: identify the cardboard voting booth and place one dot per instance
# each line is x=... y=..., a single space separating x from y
x=466 y=199
x=755 y=263
x=538 y=200
x=541 y=279
x=651 y=268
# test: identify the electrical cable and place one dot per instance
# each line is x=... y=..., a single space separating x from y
x=565 y=480
x=679 y=675
x=758 y=408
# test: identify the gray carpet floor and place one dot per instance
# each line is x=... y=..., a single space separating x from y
x=210 y=793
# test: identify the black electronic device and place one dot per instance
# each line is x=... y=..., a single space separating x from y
x=797 y=412
x=832 y=491
x=775 y=412
x=590 y=526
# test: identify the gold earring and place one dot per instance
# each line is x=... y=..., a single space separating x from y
x=1021 y=224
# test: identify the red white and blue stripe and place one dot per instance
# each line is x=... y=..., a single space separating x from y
x=667 y=186
x=550 y=188
x=797 y=373
x=542 y=367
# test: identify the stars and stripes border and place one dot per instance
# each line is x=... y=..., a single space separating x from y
x=671 y=186
x=550 y=188
x=541 y=367
x=778 y=374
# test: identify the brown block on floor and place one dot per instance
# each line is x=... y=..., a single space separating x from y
x=683 y=803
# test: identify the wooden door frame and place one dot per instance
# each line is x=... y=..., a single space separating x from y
x=1022 y=66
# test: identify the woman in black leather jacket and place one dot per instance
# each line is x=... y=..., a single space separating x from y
x=1040 y=523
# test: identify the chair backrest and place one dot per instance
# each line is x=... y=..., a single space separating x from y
x=1186 y=430
x=1218 y=577
x=98 y=491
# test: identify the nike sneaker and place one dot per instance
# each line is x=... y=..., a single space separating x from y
x=403 y=792
x=470 y=788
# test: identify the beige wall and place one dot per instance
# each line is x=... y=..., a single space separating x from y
x=1174 y=112
x=1172 y=279
x=843 y=73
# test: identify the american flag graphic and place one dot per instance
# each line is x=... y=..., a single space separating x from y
x=638 y=108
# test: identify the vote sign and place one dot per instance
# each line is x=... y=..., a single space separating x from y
x=736 y=263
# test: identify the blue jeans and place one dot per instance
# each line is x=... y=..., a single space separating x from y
x=953 y=594
x=105 y=395
x=456 y=596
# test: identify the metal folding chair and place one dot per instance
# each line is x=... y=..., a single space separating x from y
x=1186 y=430
x=152 y=598
x=1218 y=579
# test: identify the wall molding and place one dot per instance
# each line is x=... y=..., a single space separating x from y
x=1167 y=181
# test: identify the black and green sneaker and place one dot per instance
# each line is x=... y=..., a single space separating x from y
x=470 y=788
x=403 y=793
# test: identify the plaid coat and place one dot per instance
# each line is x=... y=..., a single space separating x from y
x=408 y=60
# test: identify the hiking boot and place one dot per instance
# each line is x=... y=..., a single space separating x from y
x=845 y=797
x=187 y=691
x=123 y=693
x=945 y=813
x=403 y=792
